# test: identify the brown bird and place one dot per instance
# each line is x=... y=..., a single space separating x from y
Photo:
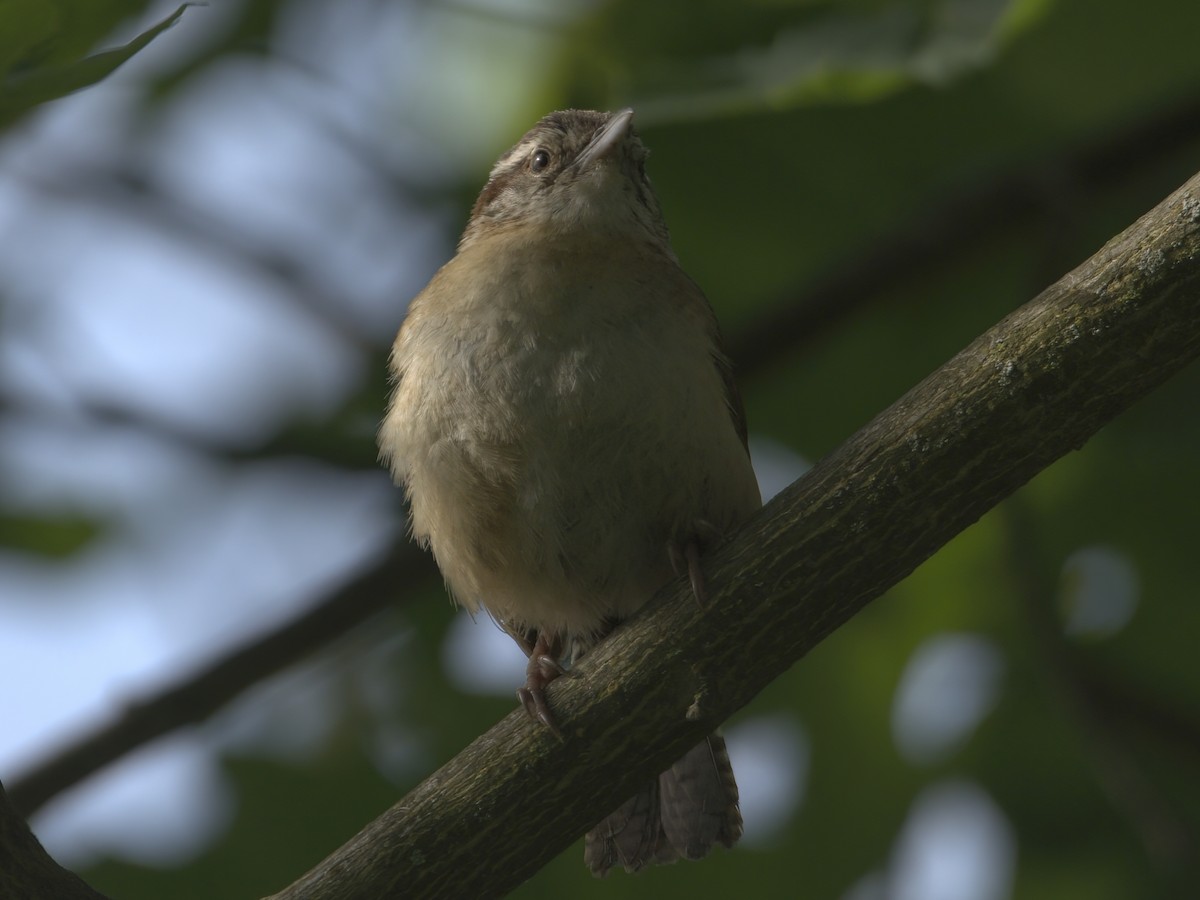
x=568 y=432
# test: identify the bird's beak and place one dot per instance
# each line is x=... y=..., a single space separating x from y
x=607 y=139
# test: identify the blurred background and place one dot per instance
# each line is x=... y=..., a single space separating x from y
x=203 y=575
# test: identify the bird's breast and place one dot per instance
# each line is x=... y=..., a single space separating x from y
x=555 y=425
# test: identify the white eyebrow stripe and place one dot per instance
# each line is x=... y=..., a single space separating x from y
x=513 y=157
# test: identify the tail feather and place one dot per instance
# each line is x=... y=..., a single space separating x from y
x=629 y=836
x=700 y=800
x=689 y=808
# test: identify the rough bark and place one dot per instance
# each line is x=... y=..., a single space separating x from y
x=1034 y=387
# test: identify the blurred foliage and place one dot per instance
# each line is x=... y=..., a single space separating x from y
x=775 y=56
x=46 y=536
x=43 y=42
x=788 y=140
x=43 y=56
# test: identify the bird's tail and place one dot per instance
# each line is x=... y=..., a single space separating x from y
x=689 y=808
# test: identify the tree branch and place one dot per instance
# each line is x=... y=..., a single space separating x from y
x=1166 y=836
x=1035 y=386
x=26 y=869
x=198 y=695
x=952 y=226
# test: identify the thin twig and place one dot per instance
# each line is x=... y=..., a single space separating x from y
x=195 y=697
x=948 y=231
x=1166 y=837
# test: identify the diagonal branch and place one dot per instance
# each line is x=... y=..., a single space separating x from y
x=960 y=221
x=1167 y=837
x=949 y=229
x=196 y=696
x=1034 y=387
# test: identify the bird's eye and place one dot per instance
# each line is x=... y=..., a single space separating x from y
x=539 y=161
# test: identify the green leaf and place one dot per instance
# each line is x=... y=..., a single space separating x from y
x=27 y=29
x=782 y=56
x=54 y=538
x=40 y=47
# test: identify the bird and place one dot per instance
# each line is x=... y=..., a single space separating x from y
x=566 y=428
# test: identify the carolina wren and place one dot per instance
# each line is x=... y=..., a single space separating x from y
x=567 y=430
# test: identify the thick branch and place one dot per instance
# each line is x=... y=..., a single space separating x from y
x=1034 y=387
x=954 y=225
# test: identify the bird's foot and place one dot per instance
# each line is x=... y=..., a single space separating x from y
x=542 y=669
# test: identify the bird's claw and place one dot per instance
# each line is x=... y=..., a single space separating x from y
x=686 y=557
x=542 y=670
